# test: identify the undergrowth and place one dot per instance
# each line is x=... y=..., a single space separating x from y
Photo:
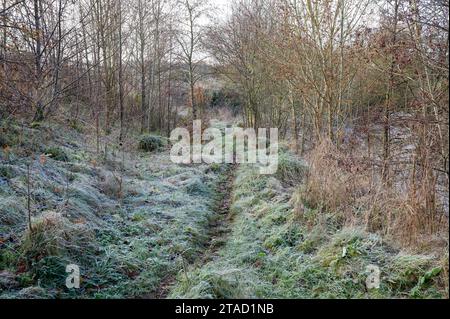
x=296 y=234
x=273 y=252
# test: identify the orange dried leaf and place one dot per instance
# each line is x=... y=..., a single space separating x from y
x=43 y=159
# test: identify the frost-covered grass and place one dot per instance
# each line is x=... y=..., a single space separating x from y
x=126 y=242
x=273 y=253
x=134 y=232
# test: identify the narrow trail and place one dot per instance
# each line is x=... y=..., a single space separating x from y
x=218 y=231
x=219 y=228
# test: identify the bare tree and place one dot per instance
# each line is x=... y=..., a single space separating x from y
x=189 y=39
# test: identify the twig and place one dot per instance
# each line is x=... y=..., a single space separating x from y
x=30 y=227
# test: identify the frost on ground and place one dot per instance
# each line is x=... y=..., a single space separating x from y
x=126 y=239
x=153 y=229
x=273 y=252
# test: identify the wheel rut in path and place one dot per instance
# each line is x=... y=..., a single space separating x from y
x=218 y=230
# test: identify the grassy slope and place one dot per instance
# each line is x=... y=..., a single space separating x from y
x=273 y=254
x=124 y=247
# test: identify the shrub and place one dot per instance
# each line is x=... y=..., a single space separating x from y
x=343 y=185
x=327 y=185
x=57 y=154
x=151 y=143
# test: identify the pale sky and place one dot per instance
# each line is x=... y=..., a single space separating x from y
x=223 y=7
x=223 y=4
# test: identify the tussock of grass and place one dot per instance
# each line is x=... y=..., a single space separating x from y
x=53 y=243
x=197 y=187
x=52 y=234
x=291 y=170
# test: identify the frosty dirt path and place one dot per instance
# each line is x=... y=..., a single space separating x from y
x=219 y=229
